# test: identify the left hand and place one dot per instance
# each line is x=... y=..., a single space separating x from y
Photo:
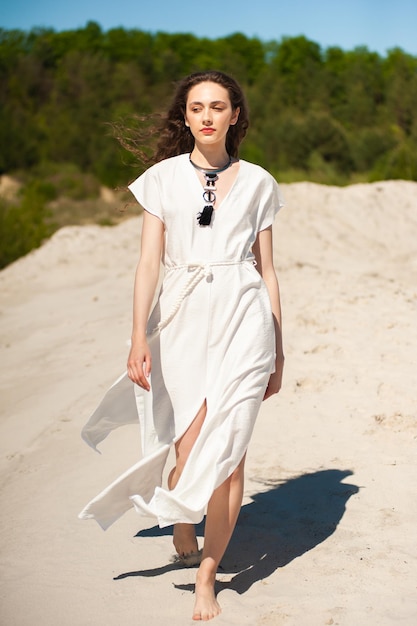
x=275 y=380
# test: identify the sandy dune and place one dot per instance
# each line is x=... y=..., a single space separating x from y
x=327 y=534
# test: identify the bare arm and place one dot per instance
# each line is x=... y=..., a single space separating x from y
x=263 y=251
x=146 y=279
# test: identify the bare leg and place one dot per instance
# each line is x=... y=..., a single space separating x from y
x=185 y=540
x=222 y=513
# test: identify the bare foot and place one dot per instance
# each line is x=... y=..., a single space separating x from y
x=206 y=606
x=185 y=540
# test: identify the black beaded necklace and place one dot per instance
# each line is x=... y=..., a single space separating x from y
x=209 y=196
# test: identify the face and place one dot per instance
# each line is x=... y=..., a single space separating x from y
x=209 y=113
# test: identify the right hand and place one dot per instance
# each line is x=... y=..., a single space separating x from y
x=139 y=364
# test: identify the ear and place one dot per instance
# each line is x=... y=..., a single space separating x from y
x=235 y=116
x=186 y=122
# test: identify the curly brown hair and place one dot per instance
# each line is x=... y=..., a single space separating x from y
x=174 y=137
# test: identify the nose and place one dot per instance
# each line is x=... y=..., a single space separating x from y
x=207 y=119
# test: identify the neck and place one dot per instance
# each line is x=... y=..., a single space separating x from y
x=210 y=159
x=211 y=172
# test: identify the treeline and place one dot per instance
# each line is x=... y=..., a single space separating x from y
x=327 y=115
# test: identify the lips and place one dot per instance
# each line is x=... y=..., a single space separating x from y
x=207 y=131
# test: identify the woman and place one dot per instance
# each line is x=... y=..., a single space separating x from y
x=211 y=349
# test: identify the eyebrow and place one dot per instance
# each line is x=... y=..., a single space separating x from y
x=214 y=102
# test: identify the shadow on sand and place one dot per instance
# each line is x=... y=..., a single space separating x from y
x=281 y=523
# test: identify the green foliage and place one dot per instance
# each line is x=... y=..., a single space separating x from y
x=298 y=63
x=66 y=180
x=24 y=225
x=399 y=163
x=331 y=116
x=334 y=113
x=368 y=144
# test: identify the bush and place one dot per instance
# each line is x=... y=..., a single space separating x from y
x=67 y=180
x=327 y=138
x=24 y=226
x=399 y=163
x=369 y=144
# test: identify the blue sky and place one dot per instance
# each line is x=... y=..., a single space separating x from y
x=377 y=24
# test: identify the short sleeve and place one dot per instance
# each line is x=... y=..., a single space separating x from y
x=147 y=193
x=271 y=202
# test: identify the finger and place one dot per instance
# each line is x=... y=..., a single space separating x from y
x=148 y=365
x=142 y=378
x=145 y=384
x=134 y=366
x=136 y=375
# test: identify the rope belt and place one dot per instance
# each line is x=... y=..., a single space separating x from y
x=199 y=271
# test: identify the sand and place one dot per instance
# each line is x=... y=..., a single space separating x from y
x=327 y=532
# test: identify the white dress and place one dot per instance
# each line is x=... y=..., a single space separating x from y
x=211 y=336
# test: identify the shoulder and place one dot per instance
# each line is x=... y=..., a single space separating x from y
x=259 y=177
x=263 y=185
x=160 y=173
x=258 y=173
x=167 y=165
